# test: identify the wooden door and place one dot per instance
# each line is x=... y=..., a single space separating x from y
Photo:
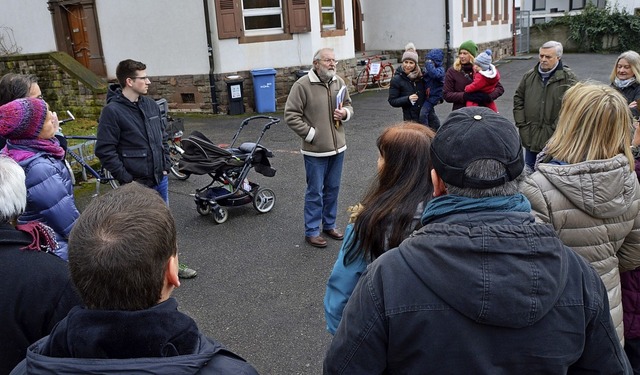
x=357 y=26
x=79 y=35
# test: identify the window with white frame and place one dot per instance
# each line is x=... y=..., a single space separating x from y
x=328 y=14
x=262 y=17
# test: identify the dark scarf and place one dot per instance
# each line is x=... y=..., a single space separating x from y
x=467 y=71
x=23 y=149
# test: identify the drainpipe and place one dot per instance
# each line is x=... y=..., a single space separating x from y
x=212 y=78
x=447 y=26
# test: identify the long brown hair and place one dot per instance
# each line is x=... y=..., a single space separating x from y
x=402 y=182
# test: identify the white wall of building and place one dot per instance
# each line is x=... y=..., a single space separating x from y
x=391 y=25
x=28 y=22
x=231 y=56
x=479 y=34
x=167 y=35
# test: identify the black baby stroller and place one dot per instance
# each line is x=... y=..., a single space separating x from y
x=228 y=168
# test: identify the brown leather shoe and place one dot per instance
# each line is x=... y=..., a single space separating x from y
x=316 y=241
x=333 y=233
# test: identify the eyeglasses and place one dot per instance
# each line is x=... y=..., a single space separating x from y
x=142 y=78
x=329 y=61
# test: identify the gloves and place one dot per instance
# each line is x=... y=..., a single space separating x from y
x=477 y=97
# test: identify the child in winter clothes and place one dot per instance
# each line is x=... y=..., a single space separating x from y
x=433 y=76
x=485 y=79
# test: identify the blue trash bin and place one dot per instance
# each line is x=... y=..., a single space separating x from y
x=264 y=89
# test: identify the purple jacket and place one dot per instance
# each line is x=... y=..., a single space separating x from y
x=630 y=283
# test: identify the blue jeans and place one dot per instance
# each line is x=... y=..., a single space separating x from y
x=530 y=158
x=321 y=197
x=163 y=189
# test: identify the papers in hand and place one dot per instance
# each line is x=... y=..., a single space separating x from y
x=340 y=97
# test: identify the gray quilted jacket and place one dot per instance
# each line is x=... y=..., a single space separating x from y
x=594 y=207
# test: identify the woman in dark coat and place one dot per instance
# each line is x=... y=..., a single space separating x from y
x=625 y=77
x=460 y=75
x=407 y=88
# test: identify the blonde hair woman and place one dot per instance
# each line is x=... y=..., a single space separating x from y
x=586 y=187
x=460 y=75
x=625 y=77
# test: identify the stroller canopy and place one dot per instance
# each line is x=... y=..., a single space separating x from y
x=201 y=156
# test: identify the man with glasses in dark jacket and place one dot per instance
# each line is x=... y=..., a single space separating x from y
x=132 y=140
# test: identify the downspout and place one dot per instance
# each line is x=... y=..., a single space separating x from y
x=212 y=78
x=447 y=26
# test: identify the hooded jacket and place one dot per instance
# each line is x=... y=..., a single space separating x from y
x=132 y=141
x=401 y=88
x=478 y=292
x=594 y=207
x=159 y=340
x=433 y=76
x=309 y=113
x=536 y=105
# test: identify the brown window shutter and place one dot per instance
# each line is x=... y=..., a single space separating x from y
x=229 y=19
x=299 y=16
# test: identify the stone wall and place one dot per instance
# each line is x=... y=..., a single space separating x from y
x=65 y=83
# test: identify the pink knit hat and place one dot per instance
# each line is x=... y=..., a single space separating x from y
x=23 y=118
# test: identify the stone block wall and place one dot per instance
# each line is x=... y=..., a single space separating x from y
x=62 y=81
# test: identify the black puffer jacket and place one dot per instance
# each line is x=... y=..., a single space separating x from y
x=132 y=141
x=401 y=88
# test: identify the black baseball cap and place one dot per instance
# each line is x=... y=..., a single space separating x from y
x=476 y=133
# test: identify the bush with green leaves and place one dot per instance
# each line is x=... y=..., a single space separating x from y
x=603 y=29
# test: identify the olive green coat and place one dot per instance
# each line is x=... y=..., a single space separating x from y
x=536 y=106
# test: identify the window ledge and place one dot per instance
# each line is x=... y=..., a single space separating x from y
x=264 y=38
x=330 y=33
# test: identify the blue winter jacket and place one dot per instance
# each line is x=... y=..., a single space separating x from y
x=344 y=277
x=433 y=76
x=50 y=197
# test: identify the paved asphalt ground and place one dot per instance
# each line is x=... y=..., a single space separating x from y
x=260 y=287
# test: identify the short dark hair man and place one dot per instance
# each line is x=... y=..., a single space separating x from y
x=124 y=261
x=132 y=141
x=481 y=288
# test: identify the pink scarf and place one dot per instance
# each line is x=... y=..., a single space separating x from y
x=43 y=237
x=22 y=149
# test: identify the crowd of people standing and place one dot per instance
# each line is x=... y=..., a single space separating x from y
x=446 y=262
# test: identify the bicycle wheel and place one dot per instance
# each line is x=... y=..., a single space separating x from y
x=363 y=80
x=175 y=156
x=385 y=76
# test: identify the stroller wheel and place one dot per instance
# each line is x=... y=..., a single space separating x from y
x=220 y=215
x=263 y=200
x=203 y=208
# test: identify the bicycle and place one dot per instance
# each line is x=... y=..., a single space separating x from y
x=379 y=71
x=175 y=129
x=102 y=176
